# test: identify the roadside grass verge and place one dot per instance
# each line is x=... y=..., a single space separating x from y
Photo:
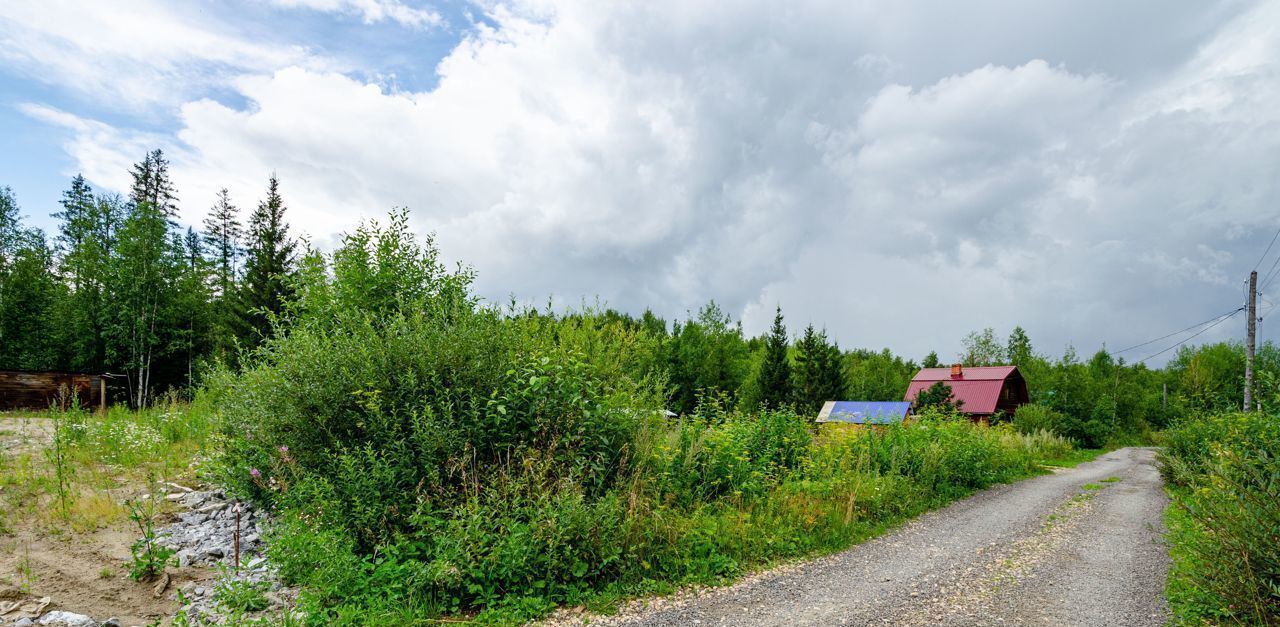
x=1224 y=519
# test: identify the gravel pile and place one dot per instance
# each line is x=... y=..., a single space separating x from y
x=205 y=535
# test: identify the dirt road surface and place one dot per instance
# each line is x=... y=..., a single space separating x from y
x=1079 y=547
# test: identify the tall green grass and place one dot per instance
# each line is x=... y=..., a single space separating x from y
x=1224 y=524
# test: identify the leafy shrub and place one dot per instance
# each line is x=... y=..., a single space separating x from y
x=431 y=456
x=1225 y=530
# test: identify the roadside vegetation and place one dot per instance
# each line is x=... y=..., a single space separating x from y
x=1224 y=523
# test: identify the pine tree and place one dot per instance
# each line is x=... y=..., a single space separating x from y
x=222 y=240
x=192 y=305
x=268 y=265
x=12 y=234
x=30 y=298
x=774 y=379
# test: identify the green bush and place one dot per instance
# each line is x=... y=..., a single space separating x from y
x=1225 y=523
x=430 y=456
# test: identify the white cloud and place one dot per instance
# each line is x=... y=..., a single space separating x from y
x=372 y=11
x=873 y=171
x=131 y=53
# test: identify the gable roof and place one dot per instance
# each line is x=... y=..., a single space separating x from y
x=864 y=412
x=978 y=387
x=968 y=373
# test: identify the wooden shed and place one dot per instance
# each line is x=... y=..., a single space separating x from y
x=20 y=389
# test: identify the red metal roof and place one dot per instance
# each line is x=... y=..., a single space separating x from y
x=968 y=373
x=979 y=387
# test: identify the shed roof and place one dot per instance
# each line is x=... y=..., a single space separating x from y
x=864 y=412
x=978 y=387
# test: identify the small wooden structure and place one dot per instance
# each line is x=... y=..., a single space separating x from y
x=20 y=389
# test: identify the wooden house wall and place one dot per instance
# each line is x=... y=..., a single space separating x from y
x=40 y=390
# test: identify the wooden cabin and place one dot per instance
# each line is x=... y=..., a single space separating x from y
x=983 y=390
x=20 y=389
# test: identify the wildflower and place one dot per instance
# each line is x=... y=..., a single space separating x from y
x=284 y=449
x=253 y=472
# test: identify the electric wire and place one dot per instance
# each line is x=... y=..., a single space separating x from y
x=1264 y=253
x=1163 y=337
x=1181 y=342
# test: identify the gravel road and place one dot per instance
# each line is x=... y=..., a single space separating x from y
x=1045 y=551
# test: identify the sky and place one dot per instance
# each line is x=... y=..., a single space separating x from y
x=900 y=173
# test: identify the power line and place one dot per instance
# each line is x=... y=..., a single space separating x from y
x=1213 y=319
x=1264 y=253
x=1180 y=343
x=1270 y=274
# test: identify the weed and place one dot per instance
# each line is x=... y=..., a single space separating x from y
x=1091 y=486
x=1111 y=480
x=106 y=573
x=26 y=574
x=241 y=596
x=149 y=557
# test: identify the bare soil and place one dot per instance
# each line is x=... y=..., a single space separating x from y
x=85 y=573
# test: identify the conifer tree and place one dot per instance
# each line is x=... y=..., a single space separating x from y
x=1019 y=350
x=268 y=264
x=774 y=380
x=818 y=376
x=222 y=236
x=151 y=185
x=82 y=262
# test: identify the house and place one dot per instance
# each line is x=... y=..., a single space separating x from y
x=20 y=389
x=983 y=390
x=864 y=412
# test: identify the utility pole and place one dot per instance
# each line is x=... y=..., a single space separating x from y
x=1251 y=329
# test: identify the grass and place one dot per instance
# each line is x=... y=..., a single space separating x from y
x=77 y=478
x=1075 y=457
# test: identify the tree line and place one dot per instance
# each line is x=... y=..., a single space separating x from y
x=120 y=287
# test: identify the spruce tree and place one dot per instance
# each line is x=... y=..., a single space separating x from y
x=818 y=375
x=268 y=265
x=222 y=243
x=82 y=262
x=151 y=185
x=774 y=380
x=1019 y=350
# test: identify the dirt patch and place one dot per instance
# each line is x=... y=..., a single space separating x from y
x=22 y=434
x=85 y=573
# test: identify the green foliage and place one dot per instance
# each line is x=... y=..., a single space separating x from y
x=269 y=262
x=773 y=380
x=705 y=354
x=239 y=596
x=149 y=557
x=431 y=456
x=982 y=349
x=877 y=376
x=817 y=375
x=1224 y=525
x=937 y=396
